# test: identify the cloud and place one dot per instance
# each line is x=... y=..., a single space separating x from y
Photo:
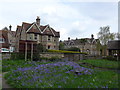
x=71 y=19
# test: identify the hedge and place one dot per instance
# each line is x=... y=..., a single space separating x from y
x=62 y=51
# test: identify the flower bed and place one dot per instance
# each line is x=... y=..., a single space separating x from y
x=45 y=75
x=60 y=75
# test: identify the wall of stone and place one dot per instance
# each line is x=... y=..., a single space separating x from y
x=49 y=55
x=69 y=57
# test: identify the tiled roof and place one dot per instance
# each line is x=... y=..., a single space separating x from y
x=80 y=42
x=18 y=30
x=26 y=25
x=32 y=30
x=46 y=31
x=43 y=27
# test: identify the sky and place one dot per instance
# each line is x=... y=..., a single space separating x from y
x=72 y=18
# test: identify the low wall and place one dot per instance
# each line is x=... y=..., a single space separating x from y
x=69 y=57
x=49 y=55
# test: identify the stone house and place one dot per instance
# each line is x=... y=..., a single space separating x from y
x=7 y=40
x=35 y=32
x=87 y=45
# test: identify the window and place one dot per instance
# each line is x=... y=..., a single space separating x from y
x=30 y=38
x=48 y=38
x=2 y=40
x=35 y=36
x=48 y=47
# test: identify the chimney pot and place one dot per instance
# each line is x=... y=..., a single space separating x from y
x=38 y=21
x=10 y=27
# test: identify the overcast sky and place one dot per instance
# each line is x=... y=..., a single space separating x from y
x=74 y=19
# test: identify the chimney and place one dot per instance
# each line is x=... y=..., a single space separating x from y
x=10 y=27
x=92 y=36
x=38 y=21
x=68 y=38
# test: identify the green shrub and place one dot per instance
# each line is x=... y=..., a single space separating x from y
x=61 y=51
x=16 y=56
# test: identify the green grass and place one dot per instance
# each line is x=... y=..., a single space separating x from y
x=103 y=63
x=99 y=79
x=8 y=65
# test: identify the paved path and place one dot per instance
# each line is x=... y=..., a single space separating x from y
x=4 y=84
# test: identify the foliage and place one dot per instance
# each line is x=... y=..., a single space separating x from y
x=61 y=46
x=62 y=51
x=103 y=63
x=60 y=75
x=40 y=49
x=104 y=35
x=16 y=56
x=118 y=35
x=73 y=49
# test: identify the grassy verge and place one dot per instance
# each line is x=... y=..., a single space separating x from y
x=103 y=63
x=8 y=65
x=59 y=75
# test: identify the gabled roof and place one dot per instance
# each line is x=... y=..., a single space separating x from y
x=18 y=30
x=80 y=42
x=26 y=25
x=43 y=27
x=44 y=30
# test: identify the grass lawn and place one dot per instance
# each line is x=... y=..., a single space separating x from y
x=32 y=74
x=103 y=63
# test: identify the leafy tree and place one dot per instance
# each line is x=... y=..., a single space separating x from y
x=39 y=49
x=61 y=46
x=118 y=35
x=104 y=36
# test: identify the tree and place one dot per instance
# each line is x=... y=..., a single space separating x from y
x=39 y=49
x=118 y=35
x=104 y=36
x=61 y=46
